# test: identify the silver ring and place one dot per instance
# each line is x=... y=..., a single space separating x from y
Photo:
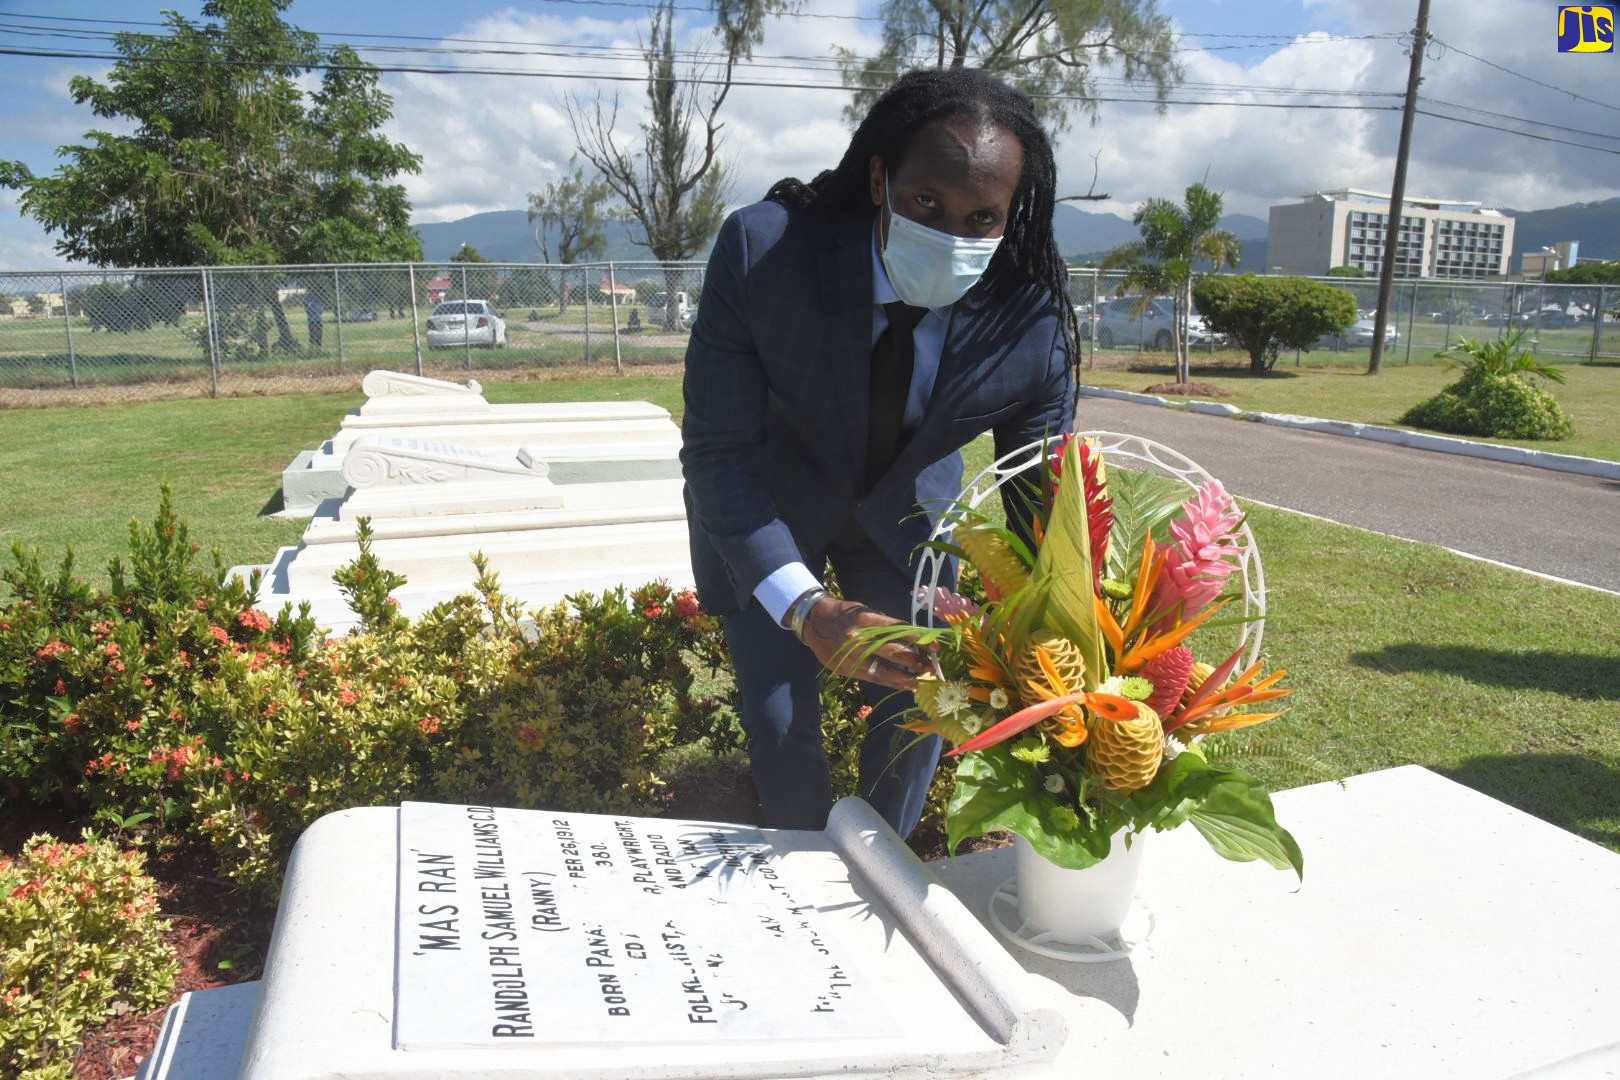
x=871 y=668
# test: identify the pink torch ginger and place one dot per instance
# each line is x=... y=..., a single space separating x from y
x=1202 y=555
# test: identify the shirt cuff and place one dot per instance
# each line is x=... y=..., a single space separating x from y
x=782 y=586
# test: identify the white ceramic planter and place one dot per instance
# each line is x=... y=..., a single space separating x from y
x=1077 y=906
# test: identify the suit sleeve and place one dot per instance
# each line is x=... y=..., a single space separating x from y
x=723 y=432
x=1051 y=411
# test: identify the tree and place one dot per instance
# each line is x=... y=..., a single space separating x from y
x=1175 y=238
x=1266 y=314
x=672 y=182
x=1346 y=271
x=573 y=210
x=230 y=160
x=1053 y=50
x=1587 y=273
x=483 y=283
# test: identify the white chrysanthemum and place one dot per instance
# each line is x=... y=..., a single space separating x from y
x=953 y=698
x=1054 y=784
x=972 y=723
x=1112 y=685
x=998 y=698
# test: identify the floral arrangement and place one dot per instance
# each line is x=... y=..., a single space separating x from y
x=1075 y=699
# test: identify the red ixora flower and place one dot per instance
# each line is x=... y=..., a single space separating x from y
x=430 y=725
x=686 y=605
x=255 y=620
x=652 y=611
x=530 y=736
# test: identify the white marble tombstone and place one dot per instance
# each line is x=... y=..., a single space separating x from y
x=463 y=941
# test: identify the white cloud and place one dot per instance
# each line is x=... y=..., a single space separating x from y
x=1258 y=157
x=486 y=141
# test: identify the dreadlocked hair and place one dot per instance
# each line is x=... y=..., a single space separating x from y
x=1028 y=255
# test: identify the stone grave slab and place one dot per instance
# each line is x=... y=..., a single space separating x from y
x=459 y=941
x=495 y=506
x=1439 y=934
x=398 y=460
x=583 y=432
x=396 y=393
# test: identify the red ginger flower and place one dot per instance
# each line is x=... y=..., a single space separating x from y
x=1099 y=509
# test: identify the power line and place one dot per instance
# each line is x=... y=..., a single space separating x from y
x=1522 y=75
x=706 y=10
x=814 y=64
x=1521 y=119
x=808 y=64
x=1522 y=134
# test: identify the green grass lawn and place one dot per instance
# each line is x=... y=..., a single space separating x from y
x=1591 y=394
x=1399 y=653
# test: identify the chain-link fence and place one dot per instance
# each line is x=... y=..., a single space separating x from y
x=86 y=335
x=1571 y=323
x=232 y=330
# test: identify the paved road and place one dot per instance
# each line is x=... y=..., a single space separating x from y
x=1554 y=523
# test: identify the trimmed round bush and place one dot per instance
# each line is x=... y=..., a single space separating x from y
x=1497 y=405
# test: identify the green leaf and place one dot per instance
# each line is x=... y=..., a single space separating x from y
x=1237 y=819
x=1063 y=568
x=996 y=791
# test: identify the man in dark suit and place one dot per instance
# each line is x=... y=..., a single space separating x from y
x=853 y=335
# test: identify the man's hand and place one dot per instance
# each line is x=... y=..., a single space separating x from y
x=831 y=632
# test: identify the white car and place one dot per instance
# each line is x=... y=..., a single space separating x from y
x=456 y=324
x=1358 y=335
x=1117 y=322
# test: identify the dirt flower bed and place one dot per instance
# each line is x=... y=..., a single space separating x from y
x=1188 y=389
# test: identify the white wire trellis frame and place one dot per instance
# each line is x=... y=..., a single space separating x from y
x=1118 y=450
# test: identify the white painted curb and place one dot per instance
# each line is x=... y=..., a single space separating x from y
x=1445 y=444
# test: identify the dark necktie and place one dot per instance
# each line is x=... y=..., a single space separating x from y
x=892 y=359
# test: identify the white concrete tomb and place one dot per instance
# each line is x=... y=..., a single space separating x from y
x=463 y=941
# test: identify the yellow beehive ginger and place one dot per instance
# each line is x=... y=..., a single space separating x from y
x=1002 y=570
x=1062 y=672
x=1125 y=754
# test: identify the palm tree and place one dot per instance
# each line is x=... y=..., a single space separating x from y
x=1161 y=263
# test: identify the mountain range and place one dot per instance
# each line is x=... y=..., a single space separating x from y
x=1082 y=236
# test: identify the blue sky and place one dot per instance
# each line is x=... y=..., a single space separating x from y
x=487 y=140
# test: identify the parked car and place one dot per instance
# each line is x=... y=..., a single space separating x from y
x=1358 y=335
x=364 y=315
x=662 y=306
x=1553 y=319
x=1118 y=323
x=456 y=324
x=1506 y=318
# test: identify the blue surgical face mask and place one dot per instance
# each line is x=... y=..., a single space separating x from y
x=929 y=268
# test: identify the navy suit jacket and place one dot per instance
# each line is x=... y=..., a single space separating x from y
x=774 y=434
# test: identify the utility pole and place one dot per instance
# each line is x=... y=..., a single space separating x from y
x=1397 y=195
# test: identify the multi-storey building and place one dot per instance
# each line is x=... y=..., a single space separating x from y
x=1438 y=238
